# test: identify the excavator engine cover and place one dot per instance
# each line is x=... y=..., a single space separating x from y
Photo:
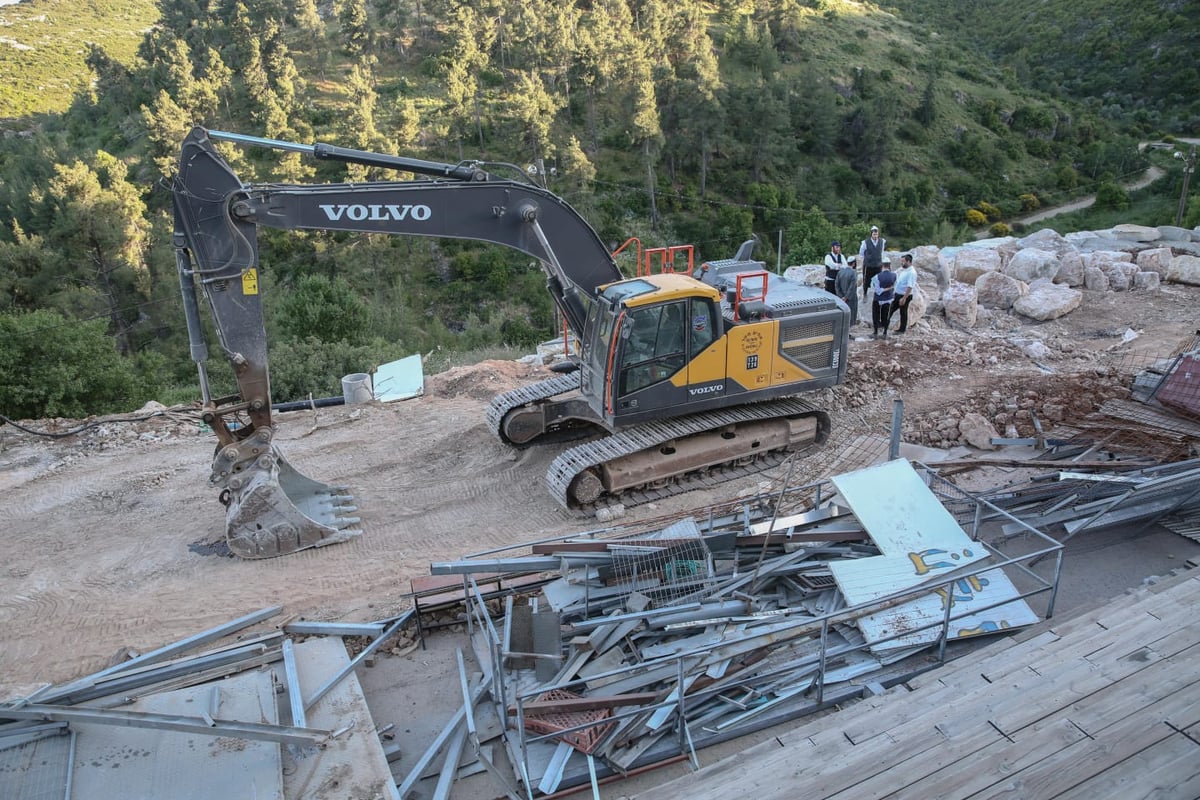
x=272 y=509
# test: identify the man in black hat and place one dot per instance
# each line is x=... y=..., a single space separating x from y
x=834 y=260
x=870 y=255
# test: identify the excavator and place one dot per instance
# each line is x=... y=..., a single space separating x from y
x=680 y=379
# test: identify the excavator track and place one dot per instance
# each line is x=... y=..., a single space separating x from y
x=502 y=404
x=574 y=464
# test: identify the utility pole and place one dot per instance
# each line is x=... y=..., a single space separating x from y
x=1189 y=166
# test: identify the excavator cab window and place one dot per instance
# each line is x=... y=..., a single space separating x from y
x=655 y=347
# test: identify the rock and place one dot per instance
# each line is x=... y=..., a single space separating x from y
x=1047 y=300
x=1174 y=234
x=927 y=260
x=811 y=274
x=1147 y=281
x=1184 y=269
x=998 y=290
x=1028 y=265
x=971 y=262
x=977 y=431
x=1099 y=258
x=1120 y=275
x=1034 y=349
x=1070 y=269
x=1047 y=239
x=1094 y=280
x=960 y=305
x=1137 y=233
x=1156 y=259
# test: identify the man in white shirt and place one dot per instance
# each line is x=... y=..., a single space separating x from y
x=906 y=284
x=834 y=261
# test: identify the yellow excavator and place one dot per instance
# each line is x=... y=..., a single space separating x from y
x=681 y=379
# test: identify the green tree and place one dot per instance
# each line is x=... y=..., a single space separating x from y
x=52 y=366
x=100 y=232
x=356 y=26
x=322 y=308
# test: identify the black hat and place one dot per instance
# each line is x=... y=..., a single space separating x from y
x=835 y=243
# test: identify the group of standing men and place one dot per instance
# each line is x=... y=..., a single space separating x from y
x=890 y=292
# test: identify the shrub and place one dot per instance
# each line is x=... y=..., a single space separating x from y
x=1029 y=202
x=310 y=366
x=975 y=218
x=51 y=366
x=990 y=211
x=326 y=309
x=999 y=229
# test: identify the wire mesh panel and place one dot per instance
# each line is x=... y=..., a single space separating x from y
x=668 y=573
x=36 y=770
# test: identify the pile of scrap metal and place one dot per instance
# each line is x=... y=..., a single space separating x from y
x=1073 y=501
x=652 y=643
x=208 y=725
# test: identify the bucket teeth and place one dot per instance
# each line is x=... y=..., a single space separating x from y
x=276 y=510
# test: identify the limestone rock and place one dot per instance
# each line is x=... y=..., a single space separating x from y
x=998 y=290
x=1138 y=233
x=1094 y=280
x=977 y=431
x=971 y=262
x=1070 y=269
x=927 y=261
x=1174 y=234
x=1120 y=274
x=1147 y=281
x=1156 y=259
x=960 y=305
x=811 y=274
x=1030 y=264
x=1184 y=269
x=1046 y=239
x=1048 y=300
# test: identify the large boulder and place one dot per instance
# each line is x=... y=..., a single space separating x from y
x=1174 y=234
x=1147 y=281
x=927 y=261
x=1184 y=269
x=1070 y=269
x=1046 y=239
x=1099 y=258
x=1120 y=274
x=1094 y=279
x=1047 y=300
x=960 y=305
x=977 y=431
x=971 y=262
x=998 y=290
x=1137 y=233
x=810 y=274
x=1156 y=259
x=1030 y=264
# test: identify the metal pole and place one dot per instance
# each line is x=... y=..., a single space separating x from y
x=779 y=254
x=897 y=418
x=1189 y=166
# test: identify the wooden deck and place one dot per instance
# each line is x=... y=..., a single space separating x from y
x=1105 y=704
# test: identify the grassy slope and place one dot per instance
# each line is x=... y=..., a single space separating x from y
x=43 y=44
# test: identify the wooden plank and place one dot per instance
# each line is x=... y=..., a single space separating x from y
x=968 y=665
x=1169 y=768
x=1125 y=738
x=957 y=752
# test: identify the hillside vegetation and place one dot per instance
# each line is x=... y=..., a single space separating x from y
x=681 y=122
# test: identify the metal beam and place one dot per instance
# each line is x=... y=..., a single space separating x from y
x=283 y=734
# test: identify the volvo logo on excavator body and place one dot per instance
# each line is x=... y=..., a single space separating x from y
x=716 y=387
x=376 y=212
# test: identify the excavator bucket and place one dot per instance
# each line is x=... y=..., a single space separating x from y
x=273 y=509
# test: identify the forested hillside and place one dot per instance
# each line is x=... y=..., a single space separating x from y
x=676 y=122
x=1130 y=61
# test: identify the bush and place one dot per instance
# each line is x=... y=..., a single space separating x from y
x=975 y=218
x=990 y=211
x=51 y=366
x=310 y=366
x=999 y=229
x=1029 y=202
x=326 y=309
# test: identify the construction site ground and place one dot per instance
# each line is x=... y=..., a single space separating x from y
x=113 y=535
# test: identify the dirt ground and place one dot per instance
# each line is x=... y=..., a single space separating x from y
x=108 y=532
